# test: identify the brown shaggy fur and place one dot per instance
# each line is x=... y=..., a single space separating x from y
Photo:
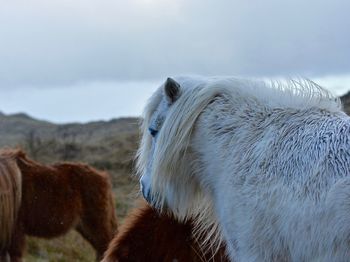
x=56 y=198
x=10 y=199
x=148 y=236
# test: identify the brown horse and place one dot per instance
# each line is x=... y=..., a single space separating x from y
x=48 y=200
x=148 y=236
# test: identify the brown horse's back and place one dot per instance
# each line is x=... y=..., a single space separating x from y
x=148 y=236
x=57 y=198
x=51 y=202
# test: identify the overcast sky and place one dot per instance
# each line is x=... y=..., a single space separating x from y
x=116 y=52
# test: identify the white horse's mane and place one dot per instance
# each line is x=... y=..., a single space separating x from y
x=172 y=153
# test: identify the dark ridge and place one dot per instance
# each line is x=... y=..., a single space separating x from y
x=345 y=99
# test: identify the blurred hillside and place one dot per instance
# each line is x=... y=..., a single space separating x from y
x=93 y=142
x=345 y=99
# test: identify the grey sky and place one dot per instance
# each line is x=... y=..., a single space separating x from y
x=79 y=103
x=61 y=44
x=57 y=42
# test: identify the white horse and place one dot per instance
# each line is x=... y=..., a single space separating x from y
x=266 y=167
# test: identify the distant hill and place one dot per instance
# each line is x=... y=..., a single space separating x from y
x=345 y=99
x=18 y=127
x=107 y=145
x=85 y=142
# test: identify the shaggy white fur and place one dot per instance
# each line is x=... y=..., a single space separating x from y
x=264 y=166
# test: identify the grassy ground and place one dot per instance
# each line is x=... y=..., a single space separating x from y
x=71 y=247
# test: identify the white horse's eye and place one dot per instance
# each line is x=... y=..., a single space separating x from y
x=153 y=132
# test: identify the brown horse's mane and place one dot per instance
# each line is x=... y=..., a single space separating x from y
x=11 y=153
x=17 y=155
x=147 y=235
x=10 y=195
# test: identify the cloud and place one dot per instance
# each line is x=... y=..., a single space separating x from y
x=65 y=42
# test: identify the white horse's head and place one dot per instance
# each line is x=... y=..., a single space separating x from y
x=165 y=159
x=169 y=94
x=167 y=163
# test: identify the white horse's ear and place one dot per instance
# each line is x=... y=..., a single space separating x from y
x=172 y=90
